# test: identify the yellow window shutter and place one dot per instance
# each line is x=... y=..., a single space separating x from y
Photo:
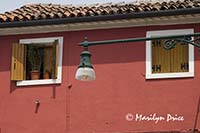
x=160 y=58
x=48 y=64
x=55 y=60
x=164 y=58
x=179 y=58
x=185 y=60
x=155 y=55
x=167 y=61
x=18 y=71
x=176 y=58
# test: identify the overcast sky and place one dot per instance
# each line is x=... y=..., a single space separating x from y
x=9 y=5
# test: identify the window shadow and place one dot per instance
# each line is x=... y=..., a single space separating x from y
x=53 y=92
x=12 y=86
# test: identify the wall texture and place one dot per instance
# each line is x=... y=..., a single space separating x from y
x=100 y=106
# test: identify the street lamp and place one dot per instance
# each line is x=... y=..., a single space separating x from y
x=85 y=71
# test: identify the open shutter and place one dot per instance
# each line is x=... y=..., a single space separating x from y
x=55 y=60
x=185 y=56
x=18 y=69
x=48 y=63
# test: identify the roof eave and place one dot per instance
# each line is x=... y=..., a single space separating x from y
x=145 y=14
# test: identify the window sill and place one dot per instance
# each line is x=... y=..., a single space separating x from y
x=38 y=82
x=170 y=75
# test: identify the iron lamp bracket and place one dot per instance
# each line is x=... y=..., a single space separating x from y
x=171 y=43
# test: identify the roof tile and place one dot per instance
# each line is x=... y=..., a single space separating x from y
x=52 y=11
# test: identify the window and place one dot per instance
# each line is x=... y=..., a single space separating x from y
x=177 y=62
x=37 y=61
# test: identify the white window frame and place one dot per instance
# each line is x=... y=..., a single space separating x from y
x=60 y=51
x=149 y=74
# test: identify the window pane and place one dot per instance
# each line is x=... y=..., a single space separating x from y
x=43 y=63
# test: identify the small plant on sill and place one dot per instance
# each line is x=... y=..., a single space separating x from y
x=35 y=58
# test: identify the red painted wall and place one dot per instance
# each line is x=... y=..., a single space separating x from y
x=102 y=105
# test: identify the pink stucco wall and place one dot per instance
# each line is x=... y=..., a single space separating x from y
x=102 y=105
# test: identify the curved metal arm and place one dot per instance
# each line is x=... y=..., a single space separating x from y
x=171 y=43
x=168 y=44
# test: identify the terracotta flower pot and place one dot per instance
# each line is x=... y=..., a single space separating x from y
x=46 y=75
x=35 y=75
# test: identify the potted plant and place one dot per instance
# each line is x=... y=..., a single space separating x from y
x=35 y=59
x=46 y=74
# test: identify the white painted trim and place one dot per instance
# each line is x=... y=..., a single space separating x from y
x=60 y=49
x=149 y=74
x=38 y=82
x=169 y=75
x=39 y=40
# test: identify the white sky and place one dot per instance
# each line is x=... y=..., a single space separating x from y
x=9 y=5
